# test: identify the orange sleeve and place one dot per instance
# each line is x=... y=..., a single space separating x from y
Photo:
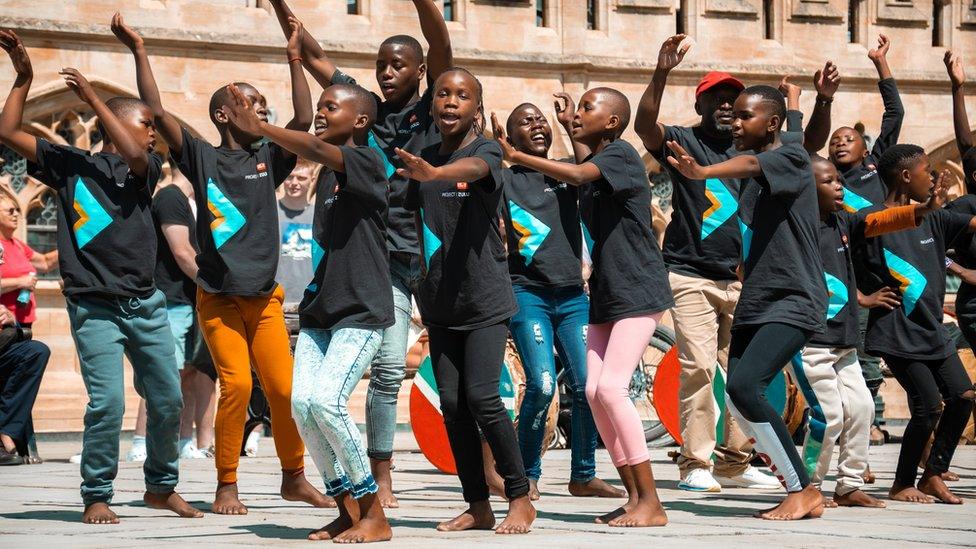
x=890 y=220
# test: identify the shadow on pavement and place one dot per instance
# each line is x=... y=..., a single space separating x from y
x=55 y=515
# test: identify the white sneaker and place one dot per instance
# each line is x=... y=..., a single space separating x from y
x=751 y=478
x=138 y=451
x=188 y=450
x=75 y=458
x=699 y=480
x=251 y=446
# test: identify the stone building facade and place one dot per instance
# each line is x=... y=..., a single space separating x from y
x=523 y=50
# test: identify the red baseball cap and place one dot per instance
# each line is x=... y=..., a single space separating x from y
x=716 y=78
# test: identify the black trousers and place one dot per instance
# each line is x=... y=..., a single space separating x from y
x=756 y=355
x=467 y=366
x=929 y=383
x=21 y=368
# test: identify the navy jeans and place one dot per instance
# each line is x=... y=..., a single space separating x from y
x=550 y=317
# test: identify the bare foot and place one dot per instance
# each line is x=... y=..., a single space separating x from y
x=595 y=488
x=521 y=513
x=857 y=498
x=827 y=503
x=295 y=487
x=908 y=494
x=534 y=494
x=648 y=512
x=99 y=513
x=868 y=476
x=372 y=525
x=384 y=479
x=934 y=486
x=348 y=517
x=227 y=501
x=949 y=476
x=173 y=502
x=807 y=503
x=477 y=517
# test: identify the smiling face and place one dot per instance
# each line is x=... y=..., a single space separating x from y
x=752 y=123
x=847 y=148
x=456 y=104
x=338 y=115
x=529 y=131
x=398 y=72
x=298 y=181
x=830 y=189
x=715 y=107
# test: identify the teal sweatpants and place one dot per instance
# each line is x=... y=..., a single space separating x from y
x=104 y=329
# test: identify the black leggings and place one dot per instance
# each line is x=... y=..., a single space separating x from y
x=467 y=366
x=929 y=383
x=756 y=355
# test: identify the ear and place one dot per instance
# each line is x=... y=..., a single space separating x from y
x=905 y=176
x=613 y=122
x=774 y=123
x=698 y=108
x=220 y=116
x=362 y=121
x=422 y=72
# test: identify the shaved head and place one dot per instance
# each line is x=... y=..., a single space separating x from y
x=222 y=97
x=516 y=113
x=407 y=42
x=365 y=104
x=124 y=106
x=618 y=103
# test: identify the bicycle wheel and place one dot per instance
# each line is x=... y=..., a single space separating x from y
x=642 y=387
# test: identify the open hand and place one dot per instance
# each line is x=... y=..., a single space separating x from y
x=295 y=37
x=565 y=108
x=684 y=162
x=879 y=53
x=499 y=133
x=827 y=80
x=672 y=52
x=886 y=298
x=11 y=44
x=125 y=34
x=939 y=194
x=240 y=113
x=953 y=63
x=416 y=168
x=79 y=84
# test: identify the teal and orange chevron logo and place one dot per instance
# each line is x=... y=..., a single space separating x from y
x=837 y=295
x=92 y=217
x=227 y=219
x=387 y=165
x=911 y=282
x=724 y=206
x=854 y=202
x=430 y=242
x=532 y=231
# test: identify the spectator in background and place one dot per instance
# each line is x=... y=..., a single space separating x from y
x=22 y=363
x=21 y=265
x=295 y=213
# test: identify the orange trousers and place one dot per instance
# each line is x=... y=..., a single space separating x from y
x=242 y=331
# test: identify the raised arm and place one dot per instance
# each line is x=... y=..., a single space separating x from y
x=178 y=238
x=440 y=57
x=574 y=174
x=960 y=120
x=565 y=111
x=826 y=81
x=879 y=56
x=737 y=167
x=136 y=156
x=894 y=111
x=301 y=97
x=297 y=142
x=463 y=169
x=12 y=115
x=313 y=56
x=166 y=125
x=646 y=125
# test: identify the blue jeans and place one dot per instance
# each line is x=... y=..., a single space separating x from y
x=328 y=365
x=387 y=371
x=548 y=317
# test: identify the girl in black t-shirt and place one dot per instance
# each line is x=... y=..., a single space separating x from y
x=466 y=298
x=629 y=289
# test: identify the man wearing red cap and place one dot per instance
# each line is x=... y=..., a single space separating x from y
x=702 y=249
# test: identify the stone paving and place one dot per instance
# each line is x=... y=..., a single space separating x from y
x=40 y=507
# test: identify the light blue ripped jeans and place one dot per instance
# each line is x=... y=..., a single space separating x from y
x=328 y=364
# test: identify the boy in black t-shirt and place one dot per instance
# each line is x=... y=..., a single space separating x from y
x=107 y=254
x=238 y=301
x=403 y=120
x=629 y=289
x=784 y=296
x=911 y=338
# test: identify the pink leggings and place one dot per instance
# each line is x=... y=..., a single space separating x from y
x=613 y=351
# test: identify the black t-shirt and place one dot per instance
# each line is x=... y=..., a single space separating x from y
x=838 y=236
x=629 y=278
x=542 y=226
x=783 y=273
x=237 y=213
x=171 y=207
x=106 y=237
x=913 y=262
x=350 y=286
x=863 y=185
x=703 y=237
x=411 y=129
x=965 y=244
x=464 y=274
